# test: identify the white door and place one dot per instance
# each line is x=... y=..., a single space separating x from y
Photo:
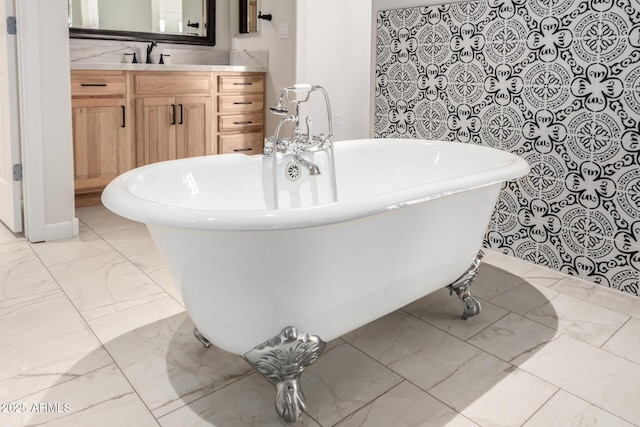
x=10 y=189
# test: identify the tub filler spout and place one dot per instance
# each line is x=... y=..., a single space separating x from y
x=311 y=167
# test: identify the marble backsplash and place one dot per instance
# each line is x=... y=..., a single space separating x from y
x=115 y=52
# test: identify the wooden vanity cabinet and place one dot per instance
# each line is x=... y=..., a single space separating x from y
x=101 y=124
x=175 y=126
x=124 y=119
x=240 y=112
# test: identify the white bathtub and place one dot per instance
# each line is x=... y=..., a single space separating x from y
x=410 y=218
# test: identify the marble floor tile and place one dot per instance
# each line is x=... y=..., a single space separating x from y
x=105 y=284
x=45 y=342
x=163 y=277
x=513 y=336
x=600 y=295
x=524 y=298
x=492 y=281
x=626 y=342
x=509 y=291
x=22 y=275
x=532 y=273
x=591 y=373
x=137 y=245
x=579 y=319
x=99 y=398
x=406 y=405
x=492 y=392
x=247 y=402
x=169 y=368
x=413 y=348
x=113 y=325
x=101 y=220
x=342 y=381
x=7 y=236
x=565 y=409
x=445 y=312
x=85 y=245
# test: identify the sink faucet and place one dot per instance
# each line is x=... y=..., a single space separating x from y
x=150 y=47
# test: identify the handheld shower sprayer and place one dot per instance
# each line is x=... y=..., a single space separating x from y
x=295 y=94
x=279 y=109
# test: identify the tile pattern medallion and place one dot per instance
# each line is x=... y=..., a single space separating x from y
x=556 y=82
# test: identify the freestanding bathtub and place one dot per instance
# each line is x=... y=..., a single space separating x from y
x=410 y=219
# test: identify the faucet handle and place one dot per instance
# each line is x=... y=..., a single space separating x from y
x=162 y=56
x=135 y=59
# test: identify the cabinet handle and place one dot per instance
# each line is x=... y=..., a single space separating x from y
x=243 y=103
x=180 y=114
x=243 y=83
x=93 y=84
x=124 y=116
x=242 y=149
x=173 y=120
x=243 y=123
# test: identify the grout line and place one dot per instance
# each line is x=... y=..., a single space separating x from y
x=543 y=405
x=88 y=326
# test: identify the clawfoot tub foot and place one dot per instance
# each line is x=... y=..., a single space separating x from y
x=461 y=288
x=205 y=342
x=281 y=360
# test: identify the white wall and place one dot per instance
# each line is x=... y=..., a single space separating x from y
x=334 y=51
x=328 y=45
x=45 y=119
x=281 y=51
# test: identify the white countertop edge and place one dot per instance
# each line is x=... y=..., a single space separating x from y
x=163 y=67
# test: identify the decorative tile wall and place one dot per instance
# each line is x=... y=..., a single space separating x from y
x=554 y=81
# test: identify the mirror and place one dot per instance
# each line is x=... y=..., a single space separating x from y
x=248 y=16
x=171 y=21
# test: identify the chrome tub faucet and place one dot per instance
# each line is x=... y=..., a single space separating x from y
x=300 y=141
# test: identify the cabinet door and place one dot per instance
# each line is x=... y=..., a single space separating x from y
x=156 y=119
x=194 y=127
x=99 y=141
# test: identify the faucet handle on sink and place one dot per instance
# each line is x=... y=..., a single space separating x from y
x=135 y=59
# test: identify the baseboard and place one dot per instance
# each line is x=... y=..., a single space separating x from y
x=62 y=230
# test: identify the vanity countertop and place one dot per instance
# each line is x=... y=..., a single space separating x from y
x=164 y=67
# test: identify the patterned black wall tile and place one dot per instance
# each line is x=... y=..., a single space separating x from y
x=556 y=82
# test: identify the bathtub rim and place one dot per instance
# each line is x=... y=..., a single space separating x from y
x=117 y=198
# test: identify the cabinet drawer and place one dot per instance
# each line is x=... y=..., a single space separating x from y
x=241 y=83
x=230 y=123
x=240 y=103
x=97 y=84
x=246 y=143
x=162 y=83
